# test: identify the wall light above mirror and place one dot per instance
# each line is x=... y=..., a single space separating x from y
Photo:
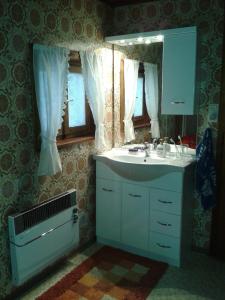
x=146 y=37
x=135 y=38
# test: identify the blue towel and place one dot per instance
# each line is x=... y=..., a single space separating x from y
x=206 y=172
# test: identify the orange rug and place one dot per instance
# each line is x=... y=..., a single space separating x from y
x=108 y=274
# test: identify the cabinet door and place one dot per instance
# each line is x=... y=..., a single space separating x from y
x=179 y=63
x=135 y=216
x=108 y=209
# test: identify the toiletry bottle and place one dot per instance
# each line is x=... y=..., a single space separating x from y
x=166 y=144
x=160 y=148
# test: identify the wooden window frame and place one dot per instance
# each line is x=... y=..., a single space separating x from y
x=140 y=121
x=143 y=120
x=88 y=130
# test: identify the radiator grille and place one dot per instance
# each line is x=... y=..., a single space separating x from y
x=42 y=212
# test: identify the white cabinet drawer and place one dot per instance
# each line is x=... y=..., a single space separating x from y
x=165 y=246
x=165 y=223
x=166 y=201
x=108 y=209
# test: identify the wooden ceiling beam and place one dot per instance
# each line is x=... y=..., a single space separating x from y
x=115 y=3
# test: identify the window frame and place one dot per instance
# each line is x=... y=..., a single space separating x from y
x=143 y=120
x=88 y=130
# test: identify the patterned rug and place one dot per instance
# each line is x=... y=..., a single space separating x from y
x=108 y=274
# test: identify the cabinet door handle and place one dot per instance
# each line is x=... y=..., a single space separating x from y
x=75 y=218
x=165 y=202
x=163 y=246
x=135 y=195
x=163 y=224
x=107 y=190
x=177 y=102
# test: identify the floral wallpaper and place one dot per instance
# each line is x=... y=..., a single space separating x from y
x=75 y=24
x=78 y=24
x=208 y=16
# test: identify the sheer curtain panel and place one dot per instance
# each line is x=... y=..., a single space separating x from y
x=151 y=96
x=130 y=84
x=92 y=63
x=50 y=66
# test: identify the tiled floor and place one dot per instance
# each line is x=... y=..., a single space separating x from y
x=202 y=278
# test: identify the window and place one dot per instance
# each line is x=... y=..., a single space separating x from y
x=140 y=117
x=78 y=120
x=138 y=110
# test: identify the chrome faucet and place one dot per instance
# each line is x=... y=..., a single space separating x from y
x=154 y=143
x=147 y=153
x=146 y=149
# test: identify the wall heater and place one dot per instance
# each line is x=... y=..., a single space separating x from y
x=41 y=235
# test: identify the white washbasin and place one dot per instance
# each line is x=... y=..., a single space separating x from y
x=124 y=156
x=135 y=165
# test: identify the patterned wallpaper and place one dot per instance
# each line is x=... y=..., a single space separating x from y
x=78 y=24
x=75 y=24
x=208 y=16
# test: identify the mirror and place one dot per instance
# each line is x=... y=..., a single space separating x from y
x=152 y=52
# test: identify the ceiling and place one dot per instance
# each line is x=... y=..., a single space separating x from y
x=115 y=3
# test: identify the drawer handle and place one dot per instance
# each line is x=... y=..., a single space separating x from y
x=177 y=102
x=165 y=202
x=163 y=224
x=107 y=190
x=163 y=246
x=135 y=195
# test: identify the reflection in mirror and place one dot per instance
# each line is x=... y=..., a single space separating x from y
x=170 y=125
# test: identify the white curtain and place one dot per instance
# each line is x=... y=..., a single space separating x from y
x=50 y=66
x=92 y=63
x=130 y=85
x=151 y=96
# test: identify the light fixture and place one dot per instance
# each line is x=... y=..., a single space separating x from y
x=136 y=38
x=144 y=37
x=140 y=39
x=160 y=37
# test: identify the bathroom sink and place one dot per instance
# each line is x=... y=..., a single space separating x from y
x=137 y=159
x=124 y=156
x=136 y=166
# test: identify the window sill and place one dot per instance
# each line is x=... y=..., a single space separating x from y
x=141 y=126
x=71 y=141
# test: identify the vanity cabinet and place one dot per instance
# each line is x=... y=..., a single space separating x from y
x=178 y=72
x=150 y=218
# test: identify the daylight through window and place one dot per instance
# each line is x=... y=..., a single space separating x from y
x=78 y=120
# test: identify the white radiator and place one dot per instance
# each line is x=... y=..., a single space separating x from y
x=42 y=234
